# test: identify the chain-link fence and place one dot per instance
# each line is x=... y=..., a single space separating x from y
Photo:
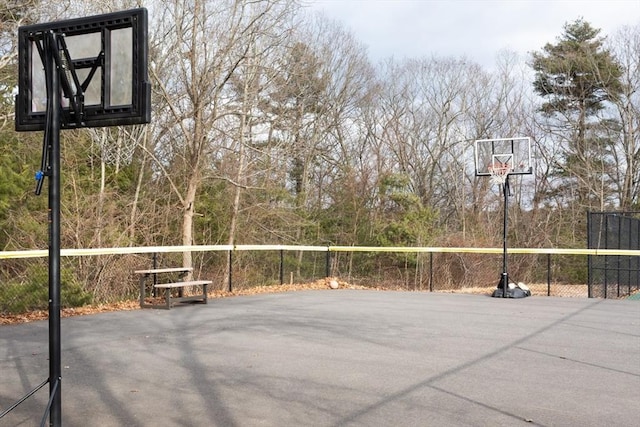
x=451 y=271
x=109 y=277
x=613 y=276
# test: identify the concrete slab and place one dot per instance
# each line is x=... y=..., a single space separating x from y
x=338 y=358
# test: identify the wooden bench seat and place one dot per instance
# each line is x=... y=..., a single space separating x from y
x=183 y=284
x=169 y=300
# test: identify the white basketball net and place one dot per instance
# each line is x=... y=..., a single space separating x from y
x=116 y=146
x=499 y=172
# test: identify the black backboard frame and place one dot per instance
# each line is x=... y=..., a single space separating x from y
x=28 y=118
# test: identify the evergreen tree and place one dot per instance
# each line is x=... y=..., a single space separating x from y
x=577 y=77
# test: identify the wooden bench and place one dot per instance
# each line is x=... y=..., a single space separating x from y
x=169 y=301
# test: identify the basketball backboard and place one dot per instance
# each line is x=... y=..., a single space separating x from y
x=103 y=67
x=511 y=153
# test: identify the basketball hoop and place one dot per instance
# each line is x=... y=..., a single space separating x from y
x=491 y=155
x=499 y=173
x=499 y=158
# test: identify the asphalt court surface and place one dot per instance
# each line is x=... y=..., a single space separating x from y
x=338 y=358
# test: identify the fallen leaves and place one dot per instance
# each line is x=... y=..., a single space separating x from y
x=10 y=319
x=38 y=315
x=328 y=283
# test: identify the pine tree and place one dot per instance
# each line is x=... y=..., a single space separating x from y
x=577 y=77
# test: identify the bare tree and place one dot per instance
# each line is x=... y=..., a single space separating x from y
x=626 y=47
x=337 y=168
x=199 y=46
x=426 y=109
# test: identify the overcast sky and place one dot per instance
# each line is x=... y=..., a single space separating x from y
x=477 y=29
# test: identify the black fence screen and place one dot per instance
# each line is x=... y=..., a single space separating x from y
x=613 y=276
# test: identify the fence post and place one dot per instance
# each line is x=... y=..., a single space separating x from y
x=327 y=265
x=155 y=276
x=590 y=243
x=606 y=257
x=230 y=270
x=281 y=267
x=430 y=271
x=548 y=274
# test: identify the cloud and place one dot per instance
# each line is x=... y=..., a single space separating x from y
x=474 y=29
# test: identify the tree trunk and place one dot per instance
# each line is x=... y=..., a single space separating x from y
x=187 y=222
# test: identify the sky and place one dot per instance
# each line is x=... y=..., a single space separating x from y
x=474 y=29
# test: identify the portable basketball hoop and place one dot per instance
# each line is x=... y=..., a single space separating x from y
x=77 y=73
x=499 y=159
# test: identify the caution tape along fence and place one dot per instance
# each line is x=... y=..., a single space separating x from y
x=106 y=275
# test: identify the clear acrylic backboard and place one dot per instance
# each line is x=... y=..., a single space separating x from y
x=512 y=152
x=103 y=59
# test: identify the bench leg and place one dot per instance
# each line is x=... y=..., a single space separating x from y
x=168 y=297
x=181 y=276
x=143 y=281
x=204 y=293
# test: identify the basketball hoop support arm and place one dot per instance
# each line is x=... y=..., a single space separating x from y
x=55 y=51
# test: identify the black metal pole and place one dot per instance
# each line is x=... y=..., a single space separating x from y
x=55 y=359
x=548 y=275
x=155 y=276
x=327 y=264
x=504 y=278
x=606 y=258
x=281 y=266
x=230 y=271
x=430 y=271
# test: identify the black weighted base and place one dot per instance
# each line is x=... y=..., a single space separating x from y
x=511 y=293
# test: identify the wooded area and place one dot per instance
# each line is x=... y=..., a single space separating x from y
x=271 y=125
